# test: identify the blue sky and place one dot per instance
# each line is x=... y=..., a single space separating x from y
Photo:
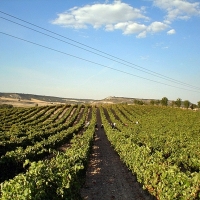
x=156 y=40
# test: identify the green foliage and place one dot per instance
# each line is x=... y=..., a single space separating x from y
x=193 y=106
x=6 y=106
x=164 y=101
x=186 y=104
x=35 y=150
x=162 y=150
x=198 y=103
x=172 y=103
x=178 y=102
x=57 y=178
x=152 y=102
x=138 y=102
x=157 y=102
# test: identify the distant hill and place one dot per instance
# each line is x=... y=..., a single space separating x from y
x=113 y=99
x=20 y=99
x=22 y=96
x=28 y=99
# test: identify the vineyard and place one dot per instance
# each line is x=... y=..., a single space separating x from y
x=44 y=151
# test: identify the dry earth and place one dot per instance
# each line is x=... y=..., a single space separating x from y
x=107 y=177
x=25 y=103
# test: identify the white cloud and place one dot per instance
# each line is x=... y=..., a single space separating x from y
x=171 y=32
x=178 y=9
x=98 y=15
x=113 y=16
x=109 y=27
x=142 y=34
x=134 y=28
x=157 y=27
x=121 y=16
x=130 y=27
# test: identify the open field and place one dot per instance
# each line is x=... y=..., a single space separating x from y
x=24 y=103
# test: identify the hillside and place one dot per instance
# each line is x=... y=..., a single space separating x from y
x=21 y=99
x=113 y=99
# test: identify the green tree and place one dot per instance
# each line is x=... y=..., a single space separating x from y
x=186 y=104
x=157 y=102
x=198 y=103
x=164 y=101
x=152 y=102
x=193 y=106
x=138 y=102
x=178 y=102
x=172 y=103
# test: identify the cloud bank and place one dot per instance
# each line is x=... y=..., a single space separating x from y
x=130 y=20
x=178 y=9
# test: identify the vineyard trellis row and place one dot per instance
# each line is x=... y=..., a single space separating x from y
x=57 y=177
x=161 y=149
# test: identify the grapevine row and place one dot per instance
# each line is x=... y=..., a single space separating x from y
x=58 y=178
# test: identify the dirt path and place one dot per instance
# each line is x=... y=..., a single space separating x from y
x=107 y=177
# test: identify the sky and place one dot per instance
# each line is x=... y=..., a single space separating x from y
x=146 y=49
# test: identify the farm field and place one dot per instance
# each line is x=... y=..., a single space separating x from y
x=45 y=150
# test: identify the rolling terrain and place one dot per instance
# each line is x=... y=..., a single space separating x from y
x=29 y=100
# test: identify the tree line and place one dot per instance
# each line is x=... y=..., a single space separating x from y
x=165 y=102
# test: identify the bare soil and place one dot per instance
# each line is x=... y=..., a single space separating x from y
x=25 y=103
x=107 y=177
